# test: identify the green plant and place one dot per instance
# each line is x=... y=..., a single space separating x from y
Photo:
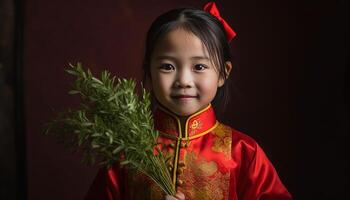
x=113 y=124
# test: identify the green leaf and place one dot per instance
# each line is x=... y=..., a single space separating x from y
x=73 y=92
x=112 y=119
x=117 y=150
x=72 y=72
x=97 y=81
x=125 y=162
x=96 y=135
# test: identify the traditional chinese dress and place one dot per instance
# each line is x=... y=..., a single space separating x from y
x=207 y=160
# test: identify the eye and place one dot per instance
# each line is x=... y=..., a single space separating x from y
x=167 y=67
x=200 y=67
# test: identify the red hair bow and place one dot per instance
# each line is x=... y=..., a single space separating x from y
x=211 y=8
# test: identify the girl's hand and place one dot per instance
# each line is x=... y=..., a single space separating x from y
x=178 y=196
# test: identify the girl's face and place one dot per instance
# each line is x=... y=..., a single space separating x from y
x=184 y=80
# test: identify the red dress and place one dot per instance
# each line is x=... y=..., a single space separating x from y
x=207 y=161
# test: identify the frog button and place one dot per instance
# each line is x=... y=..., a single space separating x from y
x=170 y=166
x=179 y=182
x=180 y=171
x=172 y=145
x=181 y=164
x=184 y=144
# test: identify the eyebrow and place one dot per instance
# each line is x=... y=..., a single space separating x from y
x=174 y=58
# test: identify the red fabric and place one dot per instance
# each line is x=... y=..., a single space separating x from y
x=213 y=10
x=197 y=123
x=241 y=168
x=255 y=177
x=107 y=185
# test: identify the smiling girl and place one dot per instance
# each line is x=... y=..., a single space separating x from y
x=187 y=62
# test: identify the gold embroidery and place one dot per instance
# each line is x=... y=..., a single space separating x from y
x=203 y=180
x=208 y=168
x=197 y=177
x=196 y=124
x=224 y=140
x=222 y=131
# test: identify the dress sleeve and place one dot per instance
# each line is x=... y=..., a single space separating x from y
x=106 y=185
x=261 y=181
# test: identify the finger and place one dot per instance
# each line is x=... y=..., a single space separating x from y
x=180 y=195
x=168 y=197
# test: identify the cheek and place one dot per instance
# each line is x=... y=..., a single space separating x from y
x=208 y=86
x=156 y=87
x=161 y=84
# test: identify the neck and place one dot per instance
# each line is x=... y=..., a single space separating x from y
x=183 y=120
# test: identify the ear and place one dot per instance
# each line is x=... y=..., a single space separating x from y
x=228 y=68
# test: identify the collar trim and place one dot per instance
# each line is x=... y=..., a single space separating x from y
x=197 y=125
x=191 y=137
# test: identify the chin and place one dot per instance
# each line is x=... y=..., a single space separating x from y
x=184 y=113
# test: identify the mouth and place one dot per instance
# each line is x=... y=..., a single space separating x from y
x=183 y=96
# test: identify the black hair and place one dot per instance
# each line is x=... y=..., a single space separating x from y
x=208 y=29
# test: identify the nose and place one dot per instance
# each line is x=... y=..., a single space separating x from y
x=184 y=79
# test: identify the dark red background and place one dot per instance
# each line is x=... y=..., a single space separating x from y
x=289 y=66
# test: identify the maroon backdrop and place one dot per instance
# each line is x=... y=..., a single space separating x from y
x=272 y=38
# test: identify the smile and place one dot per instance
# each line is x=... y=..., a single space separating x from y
x=183 y=96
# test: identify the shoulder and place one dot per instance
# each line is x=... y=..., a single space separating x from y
x=242 y=145
x=223 y=130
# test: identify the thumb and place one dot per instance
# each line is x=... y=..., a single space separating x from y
x=180 y=195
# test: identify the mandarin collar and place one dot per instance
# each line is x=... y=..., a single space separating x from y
x=197 y=124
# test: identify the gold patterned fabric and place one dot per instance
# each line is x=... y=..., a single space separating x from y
x=207 y=160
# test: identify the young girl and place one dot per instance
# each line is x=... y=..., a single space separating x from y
x=187 y=62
